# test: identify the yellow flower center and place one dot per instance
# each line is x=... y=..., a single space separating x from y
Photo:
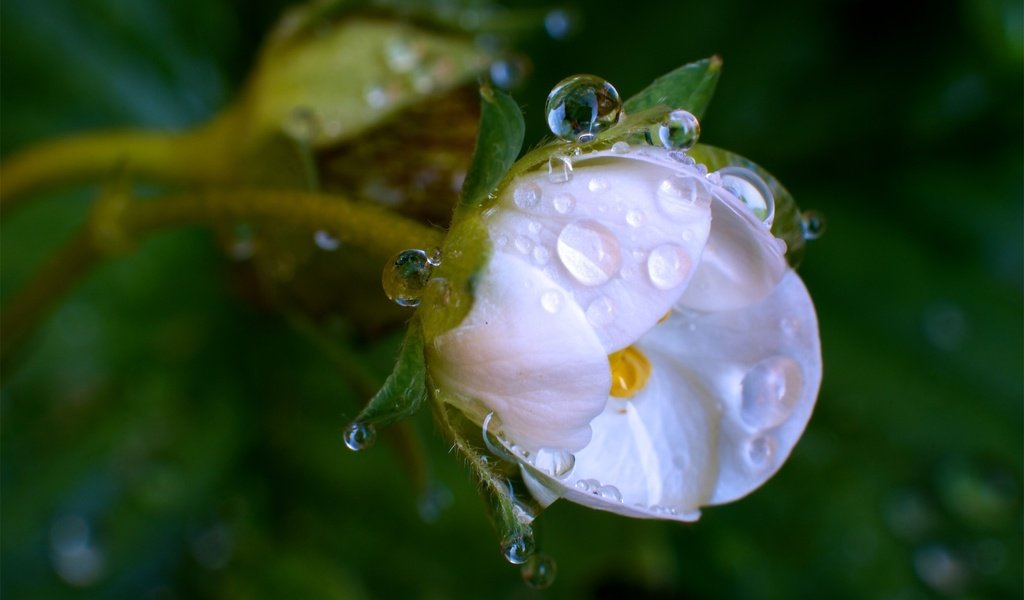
x=630 y=372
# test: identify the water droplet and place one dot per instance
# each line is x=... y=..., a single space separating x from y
x=597 y=184
x=621 y=148
x=770 y=391
x=635 y=218
x=609 y=492
x=540 y=255
x=526 y=195
x=559 y=169
x=518 y=548
x=555 y=462
x=751 y=190
x=539 y=572
x=563 y=203
x=589 y=251
x=679 y=130
x=760 y=451
x=681 y=194
x=581 y=106
x=601 y=311
x=535 y=227
x=587 y=485
x=558 y=24
x=407 y=275
x=668 y=266
x=551 y=301
x=359 y=436
x=813 y=225
x=523 y=244
x=682 y=157
x=789 y=326
x=326 y=241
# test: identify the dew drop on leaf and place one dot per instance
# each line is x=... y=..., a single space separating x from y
x=679 y=130
x=359 y=436
x=407 y=274
x=581 y=106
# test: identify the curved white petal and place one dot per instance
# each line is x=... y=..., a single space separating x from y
x=623 y=235
x=525 y=352
x=729 y=395
x=742 y=262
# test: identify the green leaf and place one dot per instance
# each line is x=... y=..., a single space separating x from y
x=498 y=143
x=689 y=87
x=404 y=390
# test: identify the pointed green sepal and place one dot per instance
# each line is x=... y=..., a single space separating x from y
x=689 y=87
x=498 y=143
x=404 y=390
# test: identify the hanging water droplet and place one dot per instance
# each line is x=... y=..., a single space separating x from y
x=539 y=572
x=518 y=548
x=407 y=275
x=812 y=223
x=559 y=169
x=679 y=130
x=326 y=241
x=359 y=436
x=555 y=462
x=551 y=300
x=770 y=391
x=581 y=106
x=609 y=492
x=681 y=194
x=526 y=195
x=621 y=148
x=760 y=452
x=751 y=190
x=668 y=266
x=563 y=203
x=589 y=251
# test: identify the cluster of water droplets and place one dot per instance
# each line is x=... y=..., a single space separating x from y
x=406 y=275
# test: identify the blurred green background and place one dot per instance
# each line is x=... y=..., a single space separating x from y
x=164 y=438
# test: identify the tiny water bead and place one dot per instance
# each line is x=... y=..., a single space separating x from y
x=761 y=452
x=359 y=436
x=679 y=130
x=751 y=190
x=563 y=203
x=407 y=274
x=581 y=106
x=539 y=572
x=812 y=223
x=518 y=548
x=559 y=169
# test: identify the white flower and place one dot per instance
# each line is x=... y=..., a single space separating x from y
x=636 y=337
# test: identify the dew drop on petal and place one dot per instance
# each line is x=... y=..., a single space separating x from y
x=608 y=492
x=526 y=195
x=601 y=311
x=407 y=274
x=523 y=244
x=760 y=452
x=589 y=251
x=559 y=169
x=679 y=130
x=751 y=190
x=635 y=218
x=563 y=203
x=518 y=548
x=551 y=300
x=668 y=266
x=812 y=224
x=621 y=148
x=597 y=184
x=680 y=195
x=555 y=462
x=540 y=255
x=359 y=436
x=539 y=572
x=581 y=106
x=770 y=391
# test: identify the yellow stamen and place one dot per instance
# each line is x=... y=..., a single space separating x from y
x=630 y=371
x=665 y=317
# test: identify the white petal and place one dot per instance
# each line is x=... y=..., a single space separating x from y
x=742 y=262
x=525 y=352
x=610 y=237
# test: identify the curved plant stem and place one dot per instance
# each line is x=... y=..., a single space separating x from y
x=379 y=232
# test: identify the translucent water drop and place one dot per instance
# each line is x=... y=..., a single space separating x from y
x=601 y=311
x=326 y=241
x=555 y=462
x=359 y=436
x=597 y=184
x=526 y=195
x=539 y=572
x=668 y=266
x=581 y=106
x=551 y=301
x=609 y=492
x=621 y=148
x=681 y=194
x=770 y=391
x=523 y=244
x=407 y=274
x=679 y=130
x=563 y=203
x=589 y=251
x=518 y=548
x=559 y=169
x=634 y=218
x=751 y=190
x=540 y=255
x=587 y=485
x=760 y=452
x=812 y=223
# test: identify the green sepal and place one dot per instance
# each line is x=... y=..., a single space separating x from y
x=689 y=87
x=405 y=389
x=787 y=225
x=498 y=142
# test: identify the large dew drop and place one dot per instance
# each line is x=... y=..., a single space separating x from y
x=668 y=266
x=407 y=274
x=581 y=106
x=589 y=251
x=681 y=194
x=751 y=190
x=770 y=391
x=518 y=548
x=359 y=436
x=679 y=130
